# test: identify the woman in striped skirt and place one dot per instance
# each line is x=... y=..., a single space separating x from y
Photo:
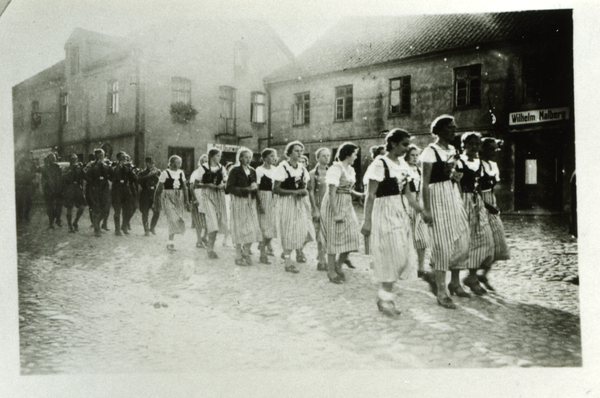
x=419 y=228
x=449 y=230
x=386 y=219
x=316 y=191
x=267 y=214
x=172 y=195
x=208 y=182
x=481 y=243
x=242 y=186
x=491 y=175
x=339 y=226
x=294 y=223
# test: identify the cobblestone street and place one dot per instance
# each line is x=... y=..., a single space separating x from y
x=127 y=305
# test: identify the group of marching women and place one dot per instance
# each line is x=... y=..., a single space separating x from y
x=446 y=205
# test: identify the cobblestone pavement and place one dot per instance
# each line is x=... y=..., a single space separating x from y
x=126 y=304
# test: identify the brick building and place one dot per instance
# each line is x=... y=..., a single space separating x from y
x=507 y=75
x=166 y=90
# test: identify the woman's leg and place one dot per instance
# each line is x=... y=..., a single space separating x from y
x=386 y=300
x=212 y=237
x=289 y=266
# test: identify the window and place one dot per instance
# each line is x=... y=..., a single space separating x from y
x=399 y=96
x=343 y=103
x=257 y=107
x=113 y=97
x=36 y=116
x=227 y=115
x=182 y=90
x=467 y=86
x=302 y=109
x=540 y=81
x=74 y=58
x=64 y=108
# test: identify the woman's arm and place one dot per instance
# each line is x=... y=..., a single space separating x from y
x=332 y=202
x=427 y=167
x=233 y=183
x=366 y=228
x=313 y=202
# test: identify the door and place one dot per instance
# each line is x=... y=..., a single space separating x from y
x=538 y=171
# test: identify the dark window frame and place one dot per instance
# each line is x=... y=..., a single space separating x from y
x=181 y=90
x=112 y=97
x=301 y=109
x=404 y=93
x=344 y=99
x=467 y=86
x=255 y=105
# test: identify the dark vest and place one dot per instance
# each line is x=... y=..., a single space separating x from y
x=212 y=177
x=438 y=169
x=487 y=181
x=170 y=180
x=389 y=186
x=470 y=179
x=265 y=184
x=290 y=182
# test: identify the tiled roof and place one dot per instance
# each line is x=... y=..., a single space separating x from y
x=362 y=41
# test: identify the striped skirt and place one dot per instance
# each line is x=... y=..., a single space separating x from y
x=420 y=229
x=295 y=225
x=244 y=220
x=501 y=251
x=211 y=202
x=481 y=243
x=173 y=204
x=339 y=237
x=449 y=231
x=268 y=220
x=392 y=240
x=198 y=219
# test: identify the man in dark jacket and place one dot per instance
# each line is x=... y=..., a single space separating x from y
x=51 y=186
x=72 y=183
x=121 y=195
x=98 y=173
x=148 y=180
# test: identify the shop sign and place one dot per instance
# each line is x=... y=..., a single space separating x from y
x=223 y=147
x=538 y=116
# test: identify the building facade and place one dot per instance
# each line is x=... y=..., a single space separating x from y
x=164 y=91
x=506 y=75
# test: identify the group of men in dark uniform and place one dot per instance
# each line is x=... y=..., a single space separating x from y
x=106 y=183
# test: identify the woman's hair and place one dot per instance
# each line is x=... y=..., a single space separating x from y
x=440 y=122
x=411 y=147
x=173 y=158
x=345 y=150
x=468 y=136
x=489 y=141
x=213 y=152
x=121 y=154
x=99 y=150
x=305 y=159
x=395 y=136
x=320 y=151
x=266 y=152
x=377 y=150
x=290 y=147
x=239 y=153
x=203 y=158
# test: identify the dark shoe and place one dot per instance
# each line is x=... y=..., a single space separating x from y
x=152 y=231
x=321 y=267
x=335 y=279
x=71 y=230
x=200 y=245
x=300 y=257
x=458 y=290
x=247 y=259
x=475 y=287
x=241 y=262
x=349 y=264
x=483 y=279
x=125 y=231
x=59 y=224
x=146 y=233
x=264 y=259
x=212 y=255
x=291 y=268
x=105 y=227
x=97 y=234
x=388 y=308
x=75 y=227
x=446 y=302
x=338 y=270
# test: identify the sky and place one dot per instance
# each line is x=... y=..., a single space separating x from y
x=33 y=33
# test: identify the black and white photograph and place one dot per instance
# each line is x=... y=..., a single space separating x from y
x=259 y=198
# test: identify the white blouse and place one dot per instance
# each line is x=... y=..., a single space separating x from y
x=376 y=171
x=299 y=173
x=491 y=168
x=334 y=174
x=174 y=175
x=262 y=171
x=428 y=155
